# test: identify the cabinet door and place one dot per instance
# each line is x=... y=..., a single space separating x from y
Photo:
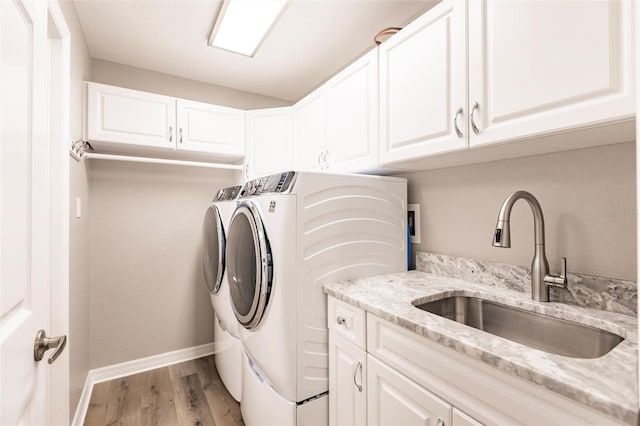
x=269 y=147
x=393 y=399
x=423 y=85
x=309 y=131
x=130 y=117
x=538 y=67
x=461 y=419
x=210 y=129
x=347 y=383
x=352 y=116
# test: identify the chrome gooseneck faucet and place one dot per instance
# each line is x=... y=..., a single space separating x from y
x=540 y=277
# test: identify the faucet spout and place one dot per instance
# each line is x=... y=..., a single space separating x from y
x=540 y=277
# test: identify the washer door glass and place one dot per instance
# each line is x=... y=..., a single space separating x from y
x=249 y=263
x=213 y=250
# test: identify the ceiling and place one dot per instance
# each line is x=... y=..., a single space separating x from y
x=312 y=40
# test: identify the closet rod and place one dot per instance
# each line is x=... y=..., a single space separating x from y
x=96 y=156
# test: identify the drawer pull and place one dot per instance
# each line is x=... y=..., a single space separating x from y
x=355 y=372
x=440 y=422
x=341 y=320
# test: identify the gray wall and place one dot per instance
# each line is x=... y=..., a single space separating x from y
x=148 y=294
x=165 y=84
x=78 y=346
x=588 y=197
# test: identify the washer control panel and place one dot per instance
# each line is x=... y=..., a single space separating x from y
x=230 y=193
x=277 y=183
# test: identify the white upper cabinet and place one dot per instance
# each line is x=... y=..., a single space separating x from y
x=545 y=66
x=269 y=148
x=130 y=121
x=210 y=128
x=423 y=72
x=309 y=131
x=352 y=116
x=130 y=117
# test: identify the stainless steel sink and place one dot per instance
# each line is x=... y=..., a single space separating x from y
x=549 y=334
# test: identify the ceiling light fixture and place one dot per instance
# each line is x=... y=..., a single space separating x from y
x=242 y=25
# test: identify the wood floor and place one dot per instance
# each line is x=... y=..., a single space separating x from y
x=190 y=393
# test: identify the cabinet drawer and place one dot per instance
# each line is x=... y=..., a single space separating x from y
x=347 y=321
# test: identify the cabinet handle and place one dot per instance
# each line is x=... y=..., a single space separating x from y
x=355 y=372
x=341 y=320
x=325 y=159
x=180 y=134
x=440 y=422
x=246 y=171
x=320 y=161
x=473 y=123
x=170 y=134
x=455 y=122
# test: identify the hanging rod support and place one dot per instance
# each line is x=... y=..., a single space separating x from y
x=79 y=148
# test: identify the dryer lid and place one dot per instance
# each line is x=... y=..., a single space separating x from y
x=213 y=249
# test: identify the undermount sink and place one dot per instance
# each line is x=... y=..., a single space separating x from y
x=538 y=331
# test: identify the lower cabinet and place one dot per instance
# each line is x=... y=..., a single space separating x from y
x=347 y=378
x=393 y=399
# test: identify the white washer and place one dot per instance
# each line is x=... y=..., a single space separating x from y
x=226 y=331
x=290 y=234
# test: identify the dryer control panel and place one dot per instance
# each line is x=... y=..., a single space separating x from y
x=277 y=183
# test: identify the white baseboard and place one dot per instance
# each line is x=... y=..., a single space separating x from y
x=135 y=366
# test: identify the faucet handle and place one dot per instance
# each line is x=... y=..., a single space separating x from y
x=558 y=280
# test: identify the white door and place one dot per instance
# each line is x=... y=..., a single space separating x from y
x=24 y=210
x=392 y=399
x=423 y=85
x=210 y=129
x=347 y=382
x=352 y=116
x=269 y=145
x=537 y=67
x=309 y=131
x=130 y=117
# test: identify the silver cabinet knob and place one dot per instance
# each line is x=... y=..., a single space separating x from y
x=341 y=320
x=440 y=422
x=44 y=343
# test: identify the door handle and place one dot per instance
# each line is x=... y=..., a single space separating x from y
x=180 y=134
x=455 y=122
x=355 y=372
x=170 y=134
x=44 y=343
x=473 y=121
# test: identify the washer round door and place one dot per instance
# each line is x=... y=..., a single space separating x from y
x=213 y=249
x=250 y=265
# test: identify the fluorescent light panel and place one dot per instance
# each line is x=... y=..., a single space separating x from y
x=243 y=24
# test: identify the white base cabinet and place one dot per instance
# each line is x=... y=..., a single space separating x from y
x=348 y=378
x=412 y=380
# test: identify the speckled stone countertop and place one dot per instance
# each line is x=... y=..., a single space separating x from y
x=607 y=384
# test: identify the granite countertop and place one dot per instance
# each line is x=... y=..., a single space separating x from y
x=607 y=384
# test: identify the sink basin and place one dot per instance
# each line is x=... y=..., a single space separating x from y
x=538 y=331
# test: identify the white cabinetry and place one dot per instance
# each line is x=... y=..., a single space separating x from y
x=557 y=66
x=423 y=85
x=392 y=399
x=309 y=131
x=348 y=382
x=210 y=128
x=130 y=117
x=347 y=364
x=352 y=116
x=336 y=126
x=543 y=76
x=130 y=121
x=269 y=148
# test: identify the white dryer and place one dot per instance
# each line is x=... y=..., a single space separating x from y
x=290 y=234
x=226 y=332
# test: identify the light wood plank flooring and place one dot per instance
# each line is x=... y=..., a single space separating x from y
x=189 y=393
